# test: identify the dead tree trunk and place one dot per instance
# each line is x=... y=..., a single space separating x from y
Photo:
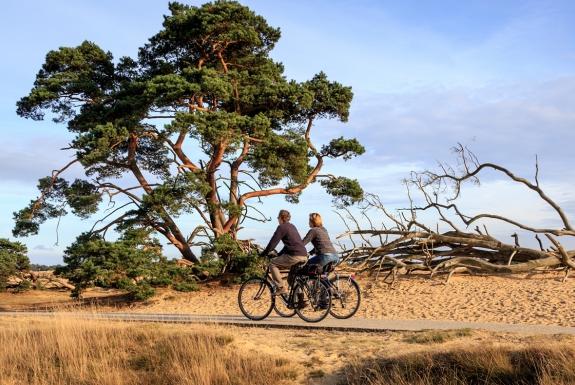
x=404 y=243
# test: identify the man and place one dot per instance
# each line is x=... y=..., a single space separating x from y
x=292 y=253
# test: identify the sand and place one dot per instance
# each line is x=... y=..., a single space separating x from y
x=540 y=299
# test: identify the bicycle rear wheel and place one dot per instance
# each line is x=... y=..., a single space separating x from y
x=345 y=297
x=317 y=300
x=255 y=298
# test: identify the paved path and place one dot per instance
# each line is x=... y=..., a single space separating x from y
x=353 y=324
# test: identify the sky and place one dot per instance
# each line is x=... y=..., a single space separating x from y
x=497 y=76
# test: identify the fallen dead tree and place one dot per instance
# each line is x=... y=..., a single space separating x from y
x=402 y=243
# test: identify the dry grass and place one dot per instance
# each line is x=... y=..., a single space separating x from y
x=64 y=351
x=40 y=351
x=437 y=336
x=550 y=364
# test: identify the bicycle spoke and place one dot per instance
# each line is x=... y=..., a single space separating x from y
x=317 y=300
x=346 y=297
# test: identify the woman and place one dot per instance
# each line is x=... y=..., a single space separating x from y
x=322 y=246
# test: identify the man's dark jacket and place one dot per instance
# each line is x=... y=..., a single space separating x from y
x=288 y=234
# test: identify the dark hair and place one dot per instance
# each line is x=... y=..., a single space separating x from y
x=284 y=215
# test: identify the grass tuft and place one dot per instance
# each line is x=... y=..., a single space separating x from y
x=436 y=337
x=553 y=364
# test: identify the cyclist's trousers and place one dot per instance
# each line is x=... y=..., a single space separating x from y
x=284 y=261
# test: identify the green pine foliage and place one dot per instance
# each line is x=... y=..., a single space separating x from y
x=203 y=118
x=133 y=263
x=13 y=261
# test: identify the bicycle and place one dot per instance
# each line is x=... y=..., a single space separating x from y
x=345 y=295
x=308 y=295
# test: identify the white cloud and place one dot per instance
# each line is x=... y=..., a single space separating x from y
x=503 y=124
x=43 y=248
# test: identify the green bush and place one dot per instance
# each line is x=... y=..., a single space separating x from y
x=23 y=285
x=13 y=260
x=180 y=278
x=130 y=263
x=226 y=254
x=247 y=265
x=133 y=263
x=186 y=286
x=211 y=263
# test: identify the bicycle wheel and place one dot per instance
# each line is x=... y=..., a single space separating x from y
x=317 y=300
x=345 y=297
x=255 y=298
x=280 y=306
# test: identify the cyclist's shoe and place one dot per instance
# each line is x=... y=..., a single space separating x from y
x=323 y=302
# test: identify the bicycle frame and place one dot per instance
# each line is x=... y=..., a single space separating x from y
x=337 y=276
x=290 y=302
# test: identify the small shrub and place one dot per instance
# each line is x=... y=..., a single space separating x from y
x=13 y=260
x=226 y=254
x=133 y=263
x=249 y=265
x=38 y=285
x=186 y=286
x=210 y=264
x=23 y=285
x=139 y=291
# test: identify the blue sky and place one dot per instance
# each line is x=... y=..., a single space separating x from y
x=498 y=76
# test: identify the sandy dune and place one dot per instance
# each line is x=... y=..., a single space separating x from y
x=542 y=299
x=539 y=299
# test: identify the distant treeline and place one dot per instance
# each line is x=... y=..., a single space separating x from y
x=36 y=267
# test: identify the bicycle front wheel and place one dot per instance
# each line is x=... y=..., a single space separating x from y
x=281 y=307
x=316 y=300
x=255 y=298
x=345 y=297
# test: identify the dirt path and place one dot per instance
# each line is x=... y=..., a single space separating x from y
x=353 y=324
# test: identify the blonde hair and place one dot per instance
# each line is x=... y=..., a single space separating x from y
x=315 y=220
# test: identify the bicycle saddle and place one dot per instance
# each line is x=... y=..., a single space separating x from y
x=297 y=267
x=310 y=269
